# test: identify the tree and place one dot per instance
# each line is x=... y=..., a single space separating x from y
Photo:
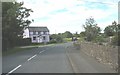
x=111 y=30
x=116 y=40
x=67 y=34
x=114 y=31
x=76 y=34
x=91 y=29
x=82 y=34
x=54 y=38
x=14 y=20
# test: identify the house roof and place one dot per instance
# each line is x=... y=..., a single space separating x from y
x=38 y=29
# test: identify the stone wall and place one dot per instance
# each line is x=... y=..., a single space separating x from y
x=104 y=54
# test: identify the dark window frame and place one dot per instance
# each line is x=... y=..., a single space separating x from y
x=34 y=38
x=44 y=38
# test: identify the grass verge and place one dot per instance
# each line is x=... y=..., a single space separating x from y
x=15 y=50
x=23 y=48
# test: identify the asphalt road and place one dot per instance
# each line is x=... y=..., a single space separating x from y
x=60 y=58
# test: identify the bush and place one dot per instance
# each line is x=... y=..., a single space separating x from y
x=116 y=40
x=52 y=41
x=56 y=38
x=99 y=39
x=25 y=41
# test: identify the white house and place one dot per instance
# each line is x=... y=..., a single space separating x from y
x=37 y=34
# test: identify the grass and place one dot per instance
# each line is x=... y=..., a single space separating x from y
x=81 y=39
x=15 y=50
x=23 y=48
x=67 y=39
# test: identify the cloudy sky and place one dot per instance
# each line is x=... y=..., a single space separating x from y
x=70 y=15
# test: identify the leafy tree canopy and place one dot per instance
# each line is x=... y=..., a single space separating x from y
x=91 y=29
x=14 y=20
x=67 y=34
x=111 y=30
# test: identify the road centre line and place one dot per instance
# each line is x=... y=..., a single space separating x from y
x=34 y=56
x=21 y=65
x=14 y=69
x=42 y=51
x=31 y=57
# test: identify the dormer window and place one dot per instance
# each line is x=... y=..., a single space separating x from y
x=36 y=32
x=31 y=33
x=42 y=33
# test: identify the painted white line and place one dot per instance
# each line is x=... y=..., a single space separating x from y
x=31 y=57
x=14 y=69
x=42 y=51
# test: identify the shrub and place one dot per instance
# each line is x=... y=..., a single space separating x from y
x=56 y=38
x=116 y=40
x=52 y=41
x=99 y=39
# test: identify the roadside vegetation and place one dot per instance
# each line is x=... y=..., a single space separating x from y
x=15 y=50
x=101 y=46
x=14 y=21
x=93 y=33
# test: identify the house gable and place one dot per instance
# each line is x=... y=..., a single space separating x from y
x=38 y=34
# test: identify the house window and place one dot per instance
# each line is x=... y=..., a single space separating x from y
x=41 y=32
x=43 y=37
x=36 y=32
x=34 y=38
x=31 y=33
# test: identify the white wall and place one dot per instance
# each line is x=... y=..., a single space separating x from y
x=47 y=38
x=26 y=33
x=38 y=39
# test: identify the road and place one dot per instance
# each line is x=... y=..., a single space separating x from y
x=60 y=58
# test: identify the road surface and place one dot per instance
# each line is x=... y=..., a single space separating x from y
x=59 y=58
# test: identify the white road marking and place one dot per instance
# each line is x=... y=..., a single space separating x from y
x=42 y=51
x=21 y=65
x=31 y=57
x=14 y=69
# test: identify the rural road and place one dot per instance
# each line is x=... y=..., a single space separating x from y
x=59 y=58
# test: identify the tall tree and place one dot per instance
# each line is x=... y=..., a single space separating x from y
x=14 y=20
x=82 y=34
x=67 y=34
x=91 y=29
x=56 y=38
x=111 y=30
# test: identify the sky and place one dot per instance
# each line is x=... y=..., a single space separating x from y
x=70 y=15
